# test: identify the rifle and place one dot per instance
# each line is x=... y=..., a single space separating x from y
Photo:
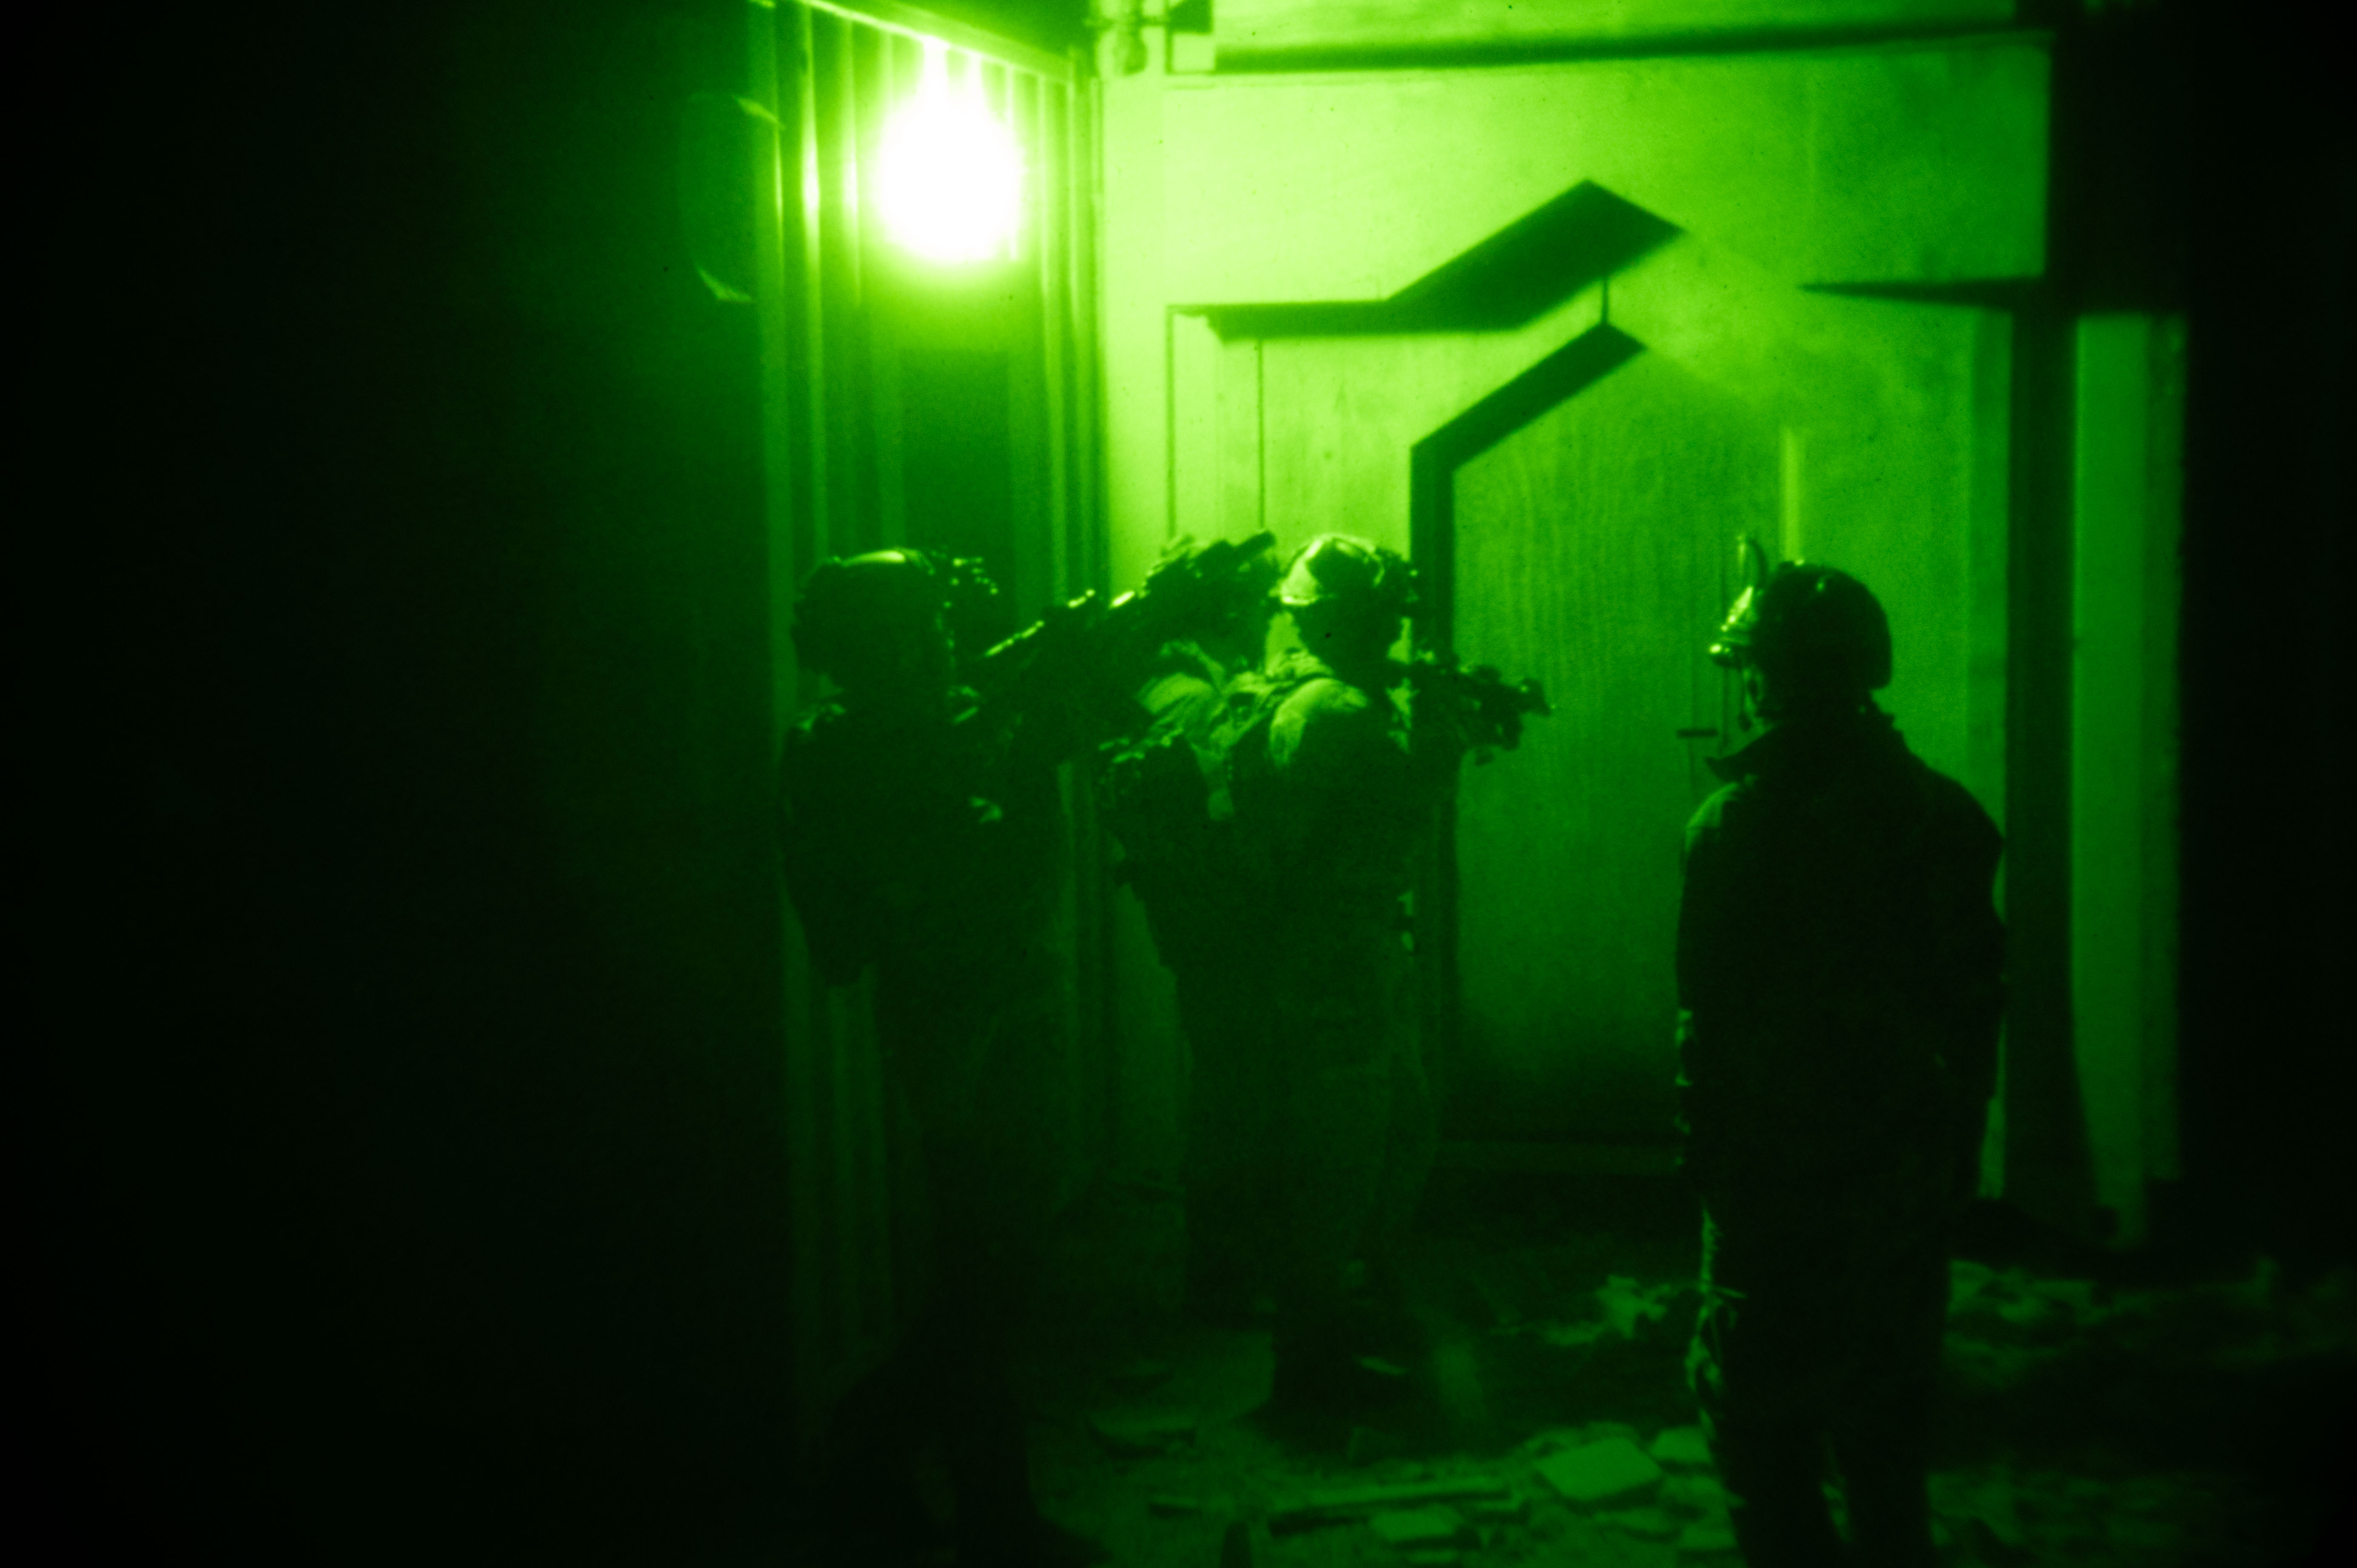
x=1086 y=651
x=1479 y=709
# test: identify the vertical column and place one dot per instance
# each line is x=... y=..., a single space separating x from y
x=887 y=66
x=2045 y=1129
x=805 y=229
x=772 y=303
x=2122 y=761
x=773 y=86
x=1987 y=566
x=1048 y=213
x=2164 y=586
x=1986 y=562
x=1791 y=454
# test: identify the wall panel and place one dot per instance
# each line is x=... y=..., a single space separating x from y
x=952 y=408
x=1271 y=34
x=1917 y=163
x=1916 y=169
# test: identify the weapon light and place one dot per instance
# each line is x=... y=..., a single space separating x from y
x=950 y=174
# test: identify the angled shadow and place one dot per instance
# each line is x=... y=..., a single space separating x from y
x=1432 y=533
x=1514 y=277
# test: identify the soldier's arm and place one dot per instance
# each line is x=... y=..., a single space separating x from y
x=1972 y=946
x=1722 y=918
x=1707 y=940
x=1735 y=996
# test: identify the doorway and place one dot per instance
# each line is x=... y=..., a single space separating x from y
x=1592 y=546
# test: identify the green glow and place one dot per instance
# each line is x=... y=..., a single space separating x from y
x=2123 y=754
x=950 y=177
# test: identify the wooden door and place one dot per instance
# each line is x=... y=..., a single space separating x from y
x=1592 y=547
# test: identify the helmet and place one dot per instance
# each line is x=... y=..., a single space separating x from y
x=853 y=613
x=1809 y=625
x=1356 y=579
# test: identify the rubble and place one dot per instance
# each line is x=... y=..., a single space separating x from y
x=1418 y=1527
x=1621 y=1309
x=1551 y=1520
x=1989 y=1499
x=1984 y=1543
x=1680 y=1448
x=1645 y=1523
x=1246 y=1545
x=1554 y=1437
x=1374 y=1446
x=1325 y=1506
x=2015 y=1489
x=1706 y=1538
x=1510 y=1508
x=1138 y=1435
x=1613 y=1471
x=1696 y=1494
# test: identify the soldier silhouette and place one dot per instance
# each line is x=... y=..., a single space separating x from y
x=921 y=839
x=1840 y=985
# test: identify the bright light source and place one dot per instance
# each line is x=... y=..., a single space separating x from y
x=950 y=177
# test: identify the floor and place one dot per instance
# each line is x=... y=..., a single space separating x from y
x=2087 y=1420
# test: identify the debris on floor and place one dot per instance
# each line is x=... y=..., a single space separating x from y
x=1173 y=1507
x=1134 y=1434
x=1600 y=1474
x=1680 y=1448
x=1311 y=1508
x=1418 y=1527
x=1246 y=1545
x=2084 y=1423
x=1645 y=1523
x=1706 y=1538
x=1693 y=1494
x=1622 y=1308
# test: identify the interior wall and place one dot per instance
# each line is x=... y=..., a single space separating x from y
x=2128 y=525
x=1905 y=169
x=1272 y=34
x=950 y=408
x=1922 y=163
x=1590 y=559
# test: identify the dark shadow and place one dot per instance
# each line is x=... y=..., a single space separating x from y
x=1434 y=462
x=1432 y=503
x=1514 y=277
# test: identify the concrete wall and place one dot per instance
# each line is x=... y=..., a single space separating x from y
x=1262 y=32
x=1911 y=167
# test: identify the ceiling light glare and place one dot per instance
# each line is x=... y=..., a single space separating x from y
x=950 y=175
